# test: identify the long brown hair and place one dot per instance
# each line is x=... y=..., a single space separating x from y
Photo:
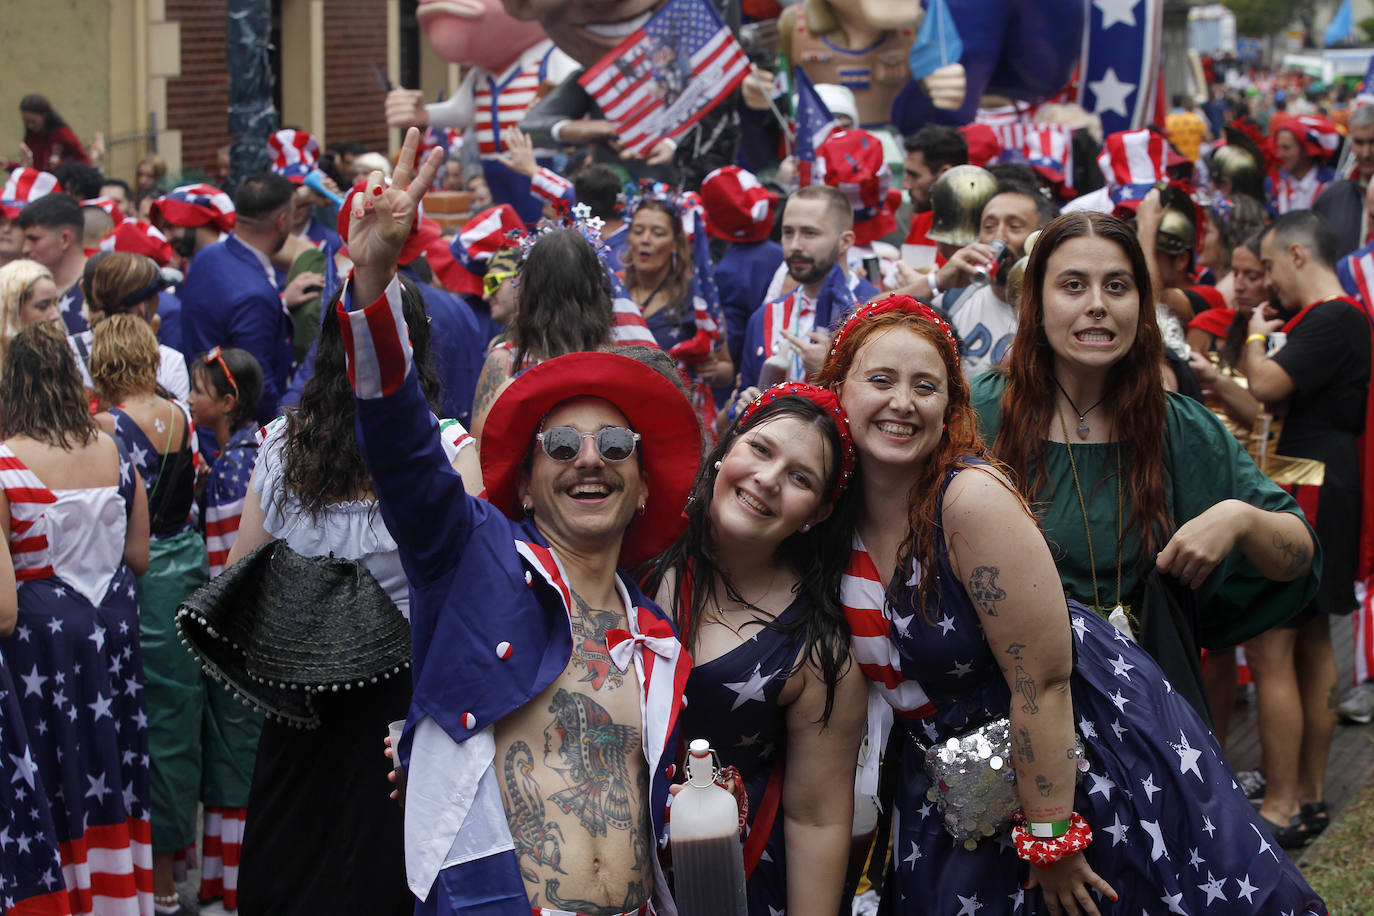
x=677 y=287
x=1135 y=385
x=959 y=442
x=40 y=390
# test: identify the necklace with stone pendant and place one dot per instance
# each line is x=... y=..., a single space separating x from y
x=1083 y=429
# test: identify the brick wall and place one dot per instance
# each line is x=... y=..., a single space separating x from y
x=354 y=39
x=198 y=100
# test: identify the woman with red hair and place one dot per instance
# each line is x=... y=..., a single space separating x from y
x=960 y=621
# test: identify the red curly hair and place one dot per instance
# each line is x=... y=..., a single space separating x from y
x=1135 y=386
x=959 y=442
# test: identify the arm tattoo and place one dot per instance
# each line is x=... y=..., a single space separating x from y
x=588 y=749
x=536 y=838
x=1295 y=554
x=1014 y=650
x=982 y=588
x=1044 y=785
x=1023 y=746
x=1025 y=685
x=490 y=379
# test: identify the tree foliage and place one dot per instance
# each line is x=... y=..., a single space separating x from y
x=1266 y=17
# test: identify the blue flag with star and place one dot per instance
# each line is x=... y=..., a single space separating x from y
x=814 y=122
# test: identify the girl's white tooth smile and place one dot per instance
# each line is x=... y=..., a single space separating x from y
x=752 y=503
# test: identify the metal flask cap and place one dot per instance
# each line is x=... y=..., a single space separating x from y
x=956 y=200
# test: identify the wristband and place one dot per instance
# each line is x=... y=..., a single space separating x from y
x=1260 y=337
x=1048 y=829
x=1042 y=853
x=930 y=278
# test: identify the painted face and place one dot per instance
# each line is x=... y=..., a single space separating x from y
x=588 y=502
x=41 y=304
x=917 y=179
x=771 y=482
x=896 y=394
x=651 y=240
x=1091 y=304
x=1248 y=275
x=46 y=246
x=1292 y=156
x=585 y=30
x=1009 y=217
x=810 y=240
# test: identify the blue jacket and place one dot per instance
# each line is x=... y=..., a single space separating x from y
x=229 y=302
x=457 y=348
x=742 y=276
x=479 y=579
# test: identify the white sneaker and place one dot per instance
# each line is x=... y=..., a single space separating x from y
x=1358 y=704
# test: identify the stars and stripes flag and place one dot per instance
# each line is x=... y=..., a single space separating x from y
x=813 y=124
x=660 y=80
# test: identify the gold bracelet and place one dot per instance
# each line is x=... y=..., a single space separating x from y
x=1253 y=337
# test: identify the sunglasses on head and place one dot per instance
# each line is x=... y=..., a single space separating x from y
x=212 y=357
x=492 y=281
x=563 y=443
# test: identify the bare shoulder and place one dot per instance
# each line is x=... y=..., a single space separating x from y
x=980 y=493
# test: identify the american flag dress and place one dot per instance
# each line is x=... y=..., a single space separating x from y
x=229 y=739
x=78 y=676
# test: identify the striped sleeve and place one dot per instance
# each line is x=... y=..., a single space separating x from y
x=376 y=343
x=553 y=187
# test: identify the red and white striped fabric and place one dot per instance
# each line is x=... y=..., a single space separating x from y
x=376 y=343
x=109 y=205
x=1132 y=157
x=501 y=101
x=863 y=595
x=24 y=186
x=221 y=529
x=29 y=500
x=1049 y=150
x=294 y=153
x=1319 y=136
x=629 y=326
x=109 y=870
x=553 y=187
x=219 y=859
x=195 y=205
x=139 y=237
x=735 y=206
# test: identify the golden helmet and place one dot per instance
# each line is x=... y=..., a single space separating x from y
x=956 y=200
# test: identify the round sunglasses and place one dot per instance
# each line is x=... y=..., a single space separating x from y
x=563 y=443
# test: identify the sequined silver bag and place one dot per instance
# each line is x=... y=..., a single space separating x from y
x=973 y=783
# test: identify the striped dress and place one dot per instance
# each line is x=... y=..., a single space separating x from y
x=78 y=675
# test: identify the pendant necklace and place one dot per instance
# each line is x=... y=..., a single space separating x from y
x=1083 y=429
x=1119 y=615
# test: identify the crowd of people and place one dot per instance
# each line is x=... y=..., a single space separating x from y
x=1028 y=470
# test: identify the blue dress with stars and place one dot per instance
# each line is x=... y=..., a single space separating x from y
x=1171 y=833
x=732 y=702
x=77 y=672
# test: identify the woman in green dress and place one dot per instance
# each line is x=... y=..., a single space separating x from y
x=1127 y=478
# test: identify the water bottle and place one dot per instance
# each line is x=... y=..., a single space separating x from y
x=983 y=275
x=708 y=861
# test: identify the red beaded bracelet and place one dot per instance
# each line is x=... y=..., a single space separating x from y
x=1042 y=852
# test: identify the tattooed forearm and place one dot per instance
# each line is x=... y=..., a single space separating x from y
x=982 y=588
x=1296 y=556
x=1044 y=786
x=1025 y=685
x=1022 y=743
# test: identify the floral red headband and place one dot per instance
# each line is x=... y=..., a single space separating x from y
x=826 y=400
x=895 y=303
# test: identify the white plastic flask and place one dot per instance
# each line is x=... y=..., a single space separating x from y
x=708 y=861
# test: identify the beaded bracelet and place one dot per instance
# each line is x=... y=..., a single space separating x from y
x=1042 y=853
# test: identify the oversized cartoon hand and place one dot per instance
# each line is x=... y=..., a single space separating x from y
x=382 y=217
x=946 y=86
x=406 y=108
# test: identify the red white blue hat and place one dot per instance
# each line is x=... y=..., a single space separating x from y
x=1318 y=136
x=294 y=153
x=737 y=208
x=26 y=185
x=853 y=162
x=195 y=205
x=485 y=234
x=109 y=205
x=139 y=237
x=1049 y=150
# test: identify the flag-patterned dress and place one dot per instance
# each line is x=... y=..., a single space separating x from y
x=1171 y=832
x=732 y=701
x=78 y=674
x=229 y=741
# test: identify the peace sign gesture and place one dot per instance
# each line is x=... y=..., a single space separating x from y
x=382 y=217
